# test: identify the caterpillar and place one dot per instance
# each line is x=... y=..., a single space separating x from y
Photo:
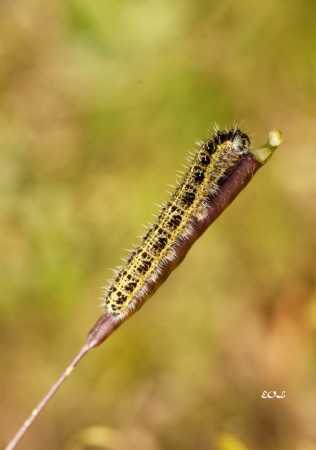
x=145 y=266
x=220 y=168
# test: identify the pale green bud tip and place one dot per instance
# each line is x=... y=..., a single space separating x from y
x=275 y=138
x=262 y=154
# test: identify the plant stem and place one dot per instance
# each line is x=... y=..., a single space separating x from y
x=42 y=404
x=107 y=323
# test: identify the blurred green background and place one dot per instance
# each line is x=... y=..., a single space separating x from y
x=100 y=102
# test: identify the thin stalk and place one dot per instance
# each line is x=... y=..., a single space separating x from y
x=43 y=403
x=99 y=332
x=107 y=323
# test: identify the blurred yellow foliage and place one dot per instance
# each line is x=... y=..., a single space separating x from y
x=227 y=441
x=99 y=103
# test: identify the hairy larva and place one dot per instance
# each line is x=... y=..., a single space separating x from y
x=209 y=167
x=221 y=167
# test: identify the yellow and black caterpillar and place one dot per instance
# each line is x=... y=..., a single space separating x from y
x=143 y=271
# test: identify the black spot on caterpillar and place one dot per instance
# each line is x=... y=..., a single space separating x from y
x=212 y=163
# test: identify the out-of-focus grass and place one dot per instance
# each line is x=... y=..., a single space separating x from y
x=100 y=102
